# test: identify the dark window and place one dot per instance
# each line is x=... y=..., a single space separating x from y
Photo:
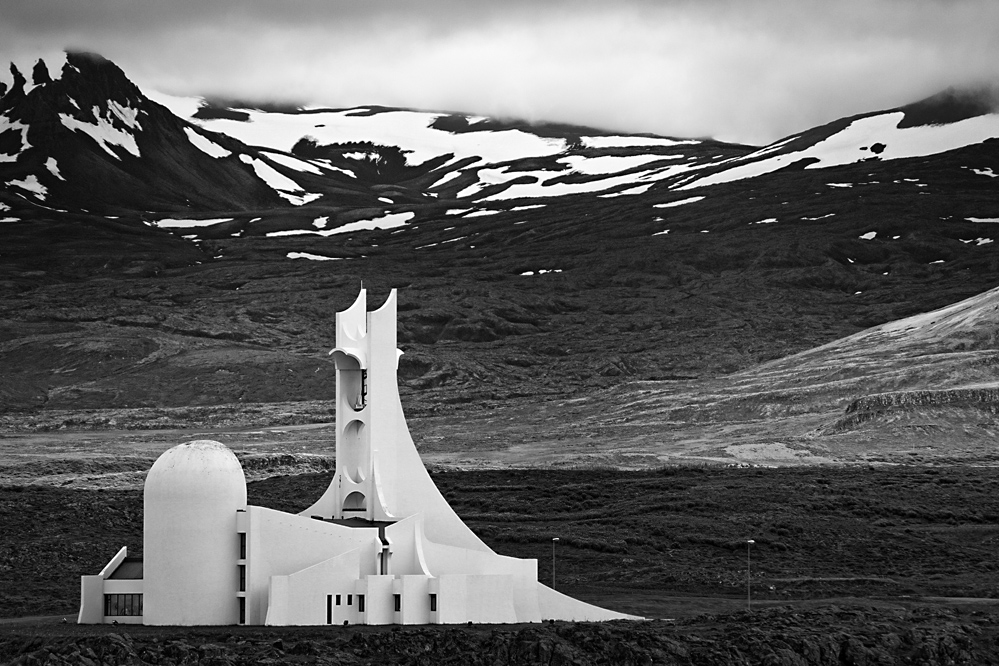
x=350 y=599
x=329 y=608
x=398 y=602
x=338 y=600
x=360 y=603
x=242 y=545
x=242 y=610
x=122 y=604
x=433 y=603
x=242 y=578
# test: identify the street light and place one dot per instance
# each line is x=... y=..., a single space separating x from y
x=749 y=597
x=554 y=539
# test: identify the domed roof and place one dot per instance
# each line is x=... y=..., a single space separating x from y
x=199 y=468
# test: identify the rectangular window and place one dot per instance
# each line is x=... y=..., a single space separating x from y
x=118 y=605
x=338 y=600
x=398 y=602
x=242 y=578
x=360 y=603
x=329 y=608
x=242 y=610
x=242 y=545
x=433 y=603
x=350 y=599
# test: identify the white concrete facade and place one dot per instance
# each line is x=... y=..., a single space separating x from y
x=380 y=546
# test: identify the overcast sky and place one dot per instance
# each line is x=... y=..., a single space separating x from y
x=741 y=70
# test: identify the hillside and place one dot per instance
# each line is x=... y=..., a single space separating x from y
x=167 y=253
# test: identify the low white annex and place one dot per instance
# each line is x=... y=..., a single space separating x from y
x=381 y=546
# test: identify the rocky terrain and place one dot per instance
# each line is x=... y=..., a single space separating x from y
x=835 y=635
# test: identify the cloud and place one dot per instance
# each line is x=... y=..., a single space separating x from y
x=737 y=70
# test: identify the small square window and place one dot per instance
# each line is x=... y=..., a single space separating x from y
x=338 y=600
x=350 y=599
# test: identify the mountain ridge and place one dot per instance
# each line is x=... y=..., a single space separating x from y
x=534 y=270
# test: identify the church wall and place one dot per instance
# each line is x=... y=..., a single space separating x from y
x=304 y=597
x=475 y=598
x=279 y=544
x=414 y=598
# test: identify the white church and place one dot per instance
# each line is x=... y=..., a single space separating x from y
x=381 y=546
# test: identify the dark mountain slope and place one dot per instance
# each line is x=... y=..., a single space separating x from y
x=607 y=268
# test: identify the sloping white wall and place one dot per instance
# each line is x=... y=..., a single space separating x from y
x=279 y=544
x=301 y=598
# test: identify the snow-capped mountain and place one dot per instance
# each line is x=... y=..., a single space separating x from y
x=88 y=140
x=202 y=245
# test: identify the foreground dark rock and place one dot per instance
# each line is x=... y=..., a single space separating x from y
x=776 y=637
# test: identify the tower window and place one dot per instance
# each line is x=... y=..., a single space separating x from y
x=242 y=610
x=242 y=545
x=433 y=603
x=398 y=602
x=242 y=578
x=360 y=603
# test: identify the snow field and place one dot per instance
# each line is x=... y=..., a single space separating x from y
x=847 y=146
x=409 y=130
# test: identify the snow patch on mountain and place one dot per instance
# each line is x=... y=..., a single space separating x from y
x=681 y=202
x=103 y=129
x=169 y=223
x=309 y=255
x=205 y=144
x=632 y=141
x=182 y=107
x=389 y=221
x=30 y=184
x=610 y=164
x=53 y=168
x=641 y=189
x=284 y=186
x=10 y=125
x=546 y=185
x=294 y=163
x=853 y=144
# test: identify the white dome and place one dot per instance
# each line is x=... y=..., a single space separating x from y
x=190 y=544
x=199 y=469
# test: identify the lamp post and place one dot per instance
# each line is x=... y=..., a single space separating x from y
x=749 y=596
x=554 y=540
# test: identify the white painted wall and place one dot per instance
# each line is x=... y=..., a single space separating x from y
x=300 y=598
x=280 y=544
